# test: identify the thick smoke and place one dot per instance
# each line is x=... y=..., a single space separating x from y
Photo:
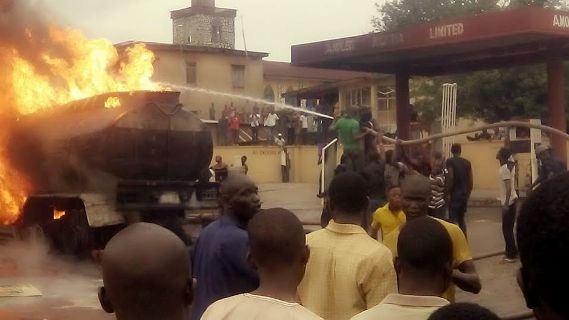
x=18 y=20
x=25 y=26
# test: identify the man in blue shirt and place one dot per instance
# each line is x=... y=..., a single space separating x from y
x=220 y=257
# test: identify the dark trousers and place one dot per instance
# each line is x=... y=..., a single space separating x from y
x=440 y=213
x=456 y=212
x=291 y=136
x=255 y=133
x=355 y=160
x=508 y=221
x=304 y=135
x=285 y=173
x=235 y=135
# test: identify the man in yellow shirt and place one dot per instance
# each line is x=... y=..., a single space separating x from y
x=347 y=272
x=388 y=217
x=416 y=193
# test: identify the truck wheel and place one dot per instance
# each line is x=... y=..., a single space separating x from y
x=74 y=236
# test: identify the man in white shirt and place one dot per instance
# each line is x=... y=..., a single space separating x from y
x=283 y=155
x=279 y=254
x=303 y=128
x=508 y=199
x=255 y=120
x=270 y=123
x=424 y=270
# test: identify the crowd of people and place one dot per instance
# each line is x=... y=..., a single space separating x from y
x=400 y=260
x=258 y=264
x=294 y=125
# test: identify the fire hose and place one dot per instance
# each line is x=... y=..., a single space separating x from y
x=504 y=124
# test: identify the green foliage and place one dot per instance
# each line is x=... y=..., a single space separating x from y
x=400 y=13
x=490 y=95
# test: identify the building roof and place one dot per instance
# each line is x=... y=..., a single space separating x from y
x=492 y=40
x=190 y=11
x=156 y=46
x=274 y=69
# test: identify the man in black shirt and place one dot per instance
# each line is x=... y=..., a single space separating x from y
x=460 y=184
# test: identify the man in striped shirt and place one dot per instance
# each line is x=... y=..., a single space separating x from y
x=437 y=204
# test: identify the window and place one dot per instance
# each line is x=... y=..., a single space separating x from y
x=358 y=97
x=215 y=33
x=238 y=76
x=385 y=99
x=191 y=74
x=269 y=93
x=290 y=99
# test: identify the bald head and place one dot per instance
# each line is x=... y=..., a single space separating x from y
x=415 y=195
x=146 y=273
x=240 y=196
x=234 y=183
x=277 y=239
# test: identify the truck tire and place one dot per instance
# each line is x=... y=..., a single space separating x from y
x=74 y=237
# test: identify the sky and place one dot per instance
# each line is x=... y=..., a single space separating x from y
x=271 y=26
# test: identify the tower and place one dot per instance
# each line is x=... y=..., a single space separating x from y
x=203 y=24
x=203 y=3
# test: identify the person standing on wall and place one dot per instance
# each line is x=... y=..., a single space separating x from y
x=255 y=119
x=508 y=199
x=234 y=126
x=292 y=121
x=271 y=123
x=460 y=184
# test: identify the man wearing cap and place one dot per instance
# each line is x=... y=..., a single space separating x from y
x=283 y=156
x=548 y=166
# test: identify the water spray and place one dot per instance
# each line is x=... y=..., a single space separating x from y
x=503 y=124
x=247 y=98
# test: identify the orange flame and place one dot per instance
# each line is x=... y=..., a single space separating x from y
x=68 y=67
x=112 y=102
x=58 y=214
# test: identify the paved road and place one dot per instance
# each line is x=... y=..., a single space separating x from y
x=70 y=288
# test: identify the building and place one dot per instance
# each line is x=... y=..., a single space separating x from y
x=368 y=92
x=221 y=70
x=203 y=24
x=283 y=77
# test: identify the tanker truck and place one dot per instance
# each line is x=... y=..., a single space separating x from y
x=99 y=164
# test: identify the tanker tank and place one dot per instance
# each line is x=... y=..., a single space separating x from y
x=111 y=160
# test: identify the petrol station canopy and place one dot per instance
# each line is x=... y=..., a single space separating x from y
x=486 y=41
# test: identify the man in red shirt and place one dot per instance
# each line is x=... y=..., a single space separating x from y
x=234 y=125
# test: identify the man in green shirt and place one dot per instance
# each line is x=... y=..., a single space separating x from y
x=350 y=136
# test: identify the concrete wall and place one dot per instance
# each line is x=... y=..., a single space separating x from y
x=485 y=167
x=214 y=73
x=264 y=162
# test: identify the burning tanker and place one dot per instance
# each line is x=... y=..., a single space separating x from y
x=88 y=137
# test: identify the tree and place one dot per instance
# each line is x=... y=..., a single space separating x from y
x=400 y=13
x=494 y=95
